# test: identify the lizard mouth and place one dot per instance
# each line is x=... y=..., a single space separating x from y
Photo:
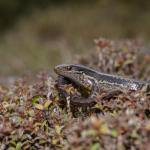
x=63 y=69
x=56 y=70
x=59 y=69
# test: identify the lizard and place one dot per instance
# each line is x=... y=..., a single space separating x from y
x=87 y=78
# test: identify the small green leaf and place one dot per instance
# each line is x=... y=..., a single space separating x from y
x=31 y=112
x=90 y=132
x=42 y=141
x=58 y=129
x=11 y=148
x=104 y=129
x=114 y=133
x=39 y=106
x=147 y=126
x=35 y=99
x=47 y=103
x=18 y=146
x=95 y=146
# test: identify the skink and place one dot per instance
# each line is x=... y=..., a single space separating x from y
x=86 y=77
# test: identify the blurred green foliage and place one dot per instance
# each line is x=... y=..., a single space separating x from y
x=10 y=10
x=42 y=33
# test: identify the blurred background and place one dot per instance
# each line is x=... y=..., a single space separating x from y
x=38 y=34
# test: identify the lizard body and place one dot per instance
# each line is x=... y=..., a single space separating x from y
x=89 y=78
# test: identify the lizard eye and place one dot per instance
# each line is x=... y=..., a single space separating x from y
x=69 y=68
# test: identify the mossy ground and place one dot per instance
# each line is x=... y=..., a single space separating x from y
x=33 y=116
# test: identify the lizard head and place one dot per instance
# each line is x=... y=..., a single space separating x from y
x=75 y=73
x=68 y=68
